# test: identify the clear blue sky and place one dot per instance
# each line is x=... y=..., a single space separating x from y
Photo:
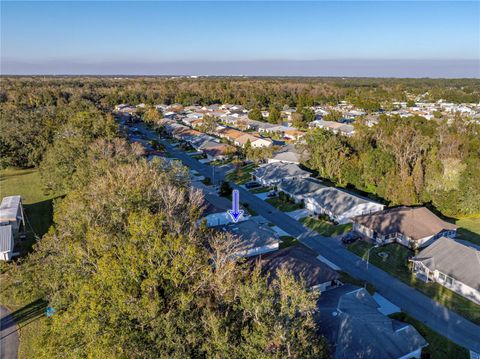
x=240 y=37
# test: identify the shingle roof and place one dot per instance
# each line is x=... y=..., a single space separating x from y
x=415 y=223
x=279 y=170
x=336 y=201
x=301 y=262
x=6 y=238
x=457 y=260
x=348 y=317
x=252 y=234
x=300 y=186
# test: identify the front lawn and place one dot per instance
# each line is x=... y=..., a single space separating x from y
x=241 y=175
x=326 y=228
x=288 y=241
x=469 y=229
x=284 y=204
x=438 y=347
x=397 y=265
x=260 y=190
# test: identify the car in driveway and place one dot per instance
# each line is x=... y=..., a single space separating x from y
x=350 y=237
x=251 y=185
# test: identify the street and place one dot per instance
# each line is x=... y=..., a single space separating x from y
x=411 y=301
x=8 y=335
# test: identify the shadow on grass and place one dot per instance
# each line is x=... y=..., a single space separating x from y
x=30 y=312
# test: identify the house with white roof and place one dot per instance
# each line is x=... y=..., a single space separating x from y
x=6 y=242
x=11 y=213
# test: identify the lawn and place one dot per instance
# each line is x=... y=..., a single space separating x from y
x=288 y=241
x=260 y=190
x=241 y=175
x=438 y=347
x=326 y=228
x=37 y=204
x=469 y=229
x=284 y=204
x=348 y=279
x=397 y=265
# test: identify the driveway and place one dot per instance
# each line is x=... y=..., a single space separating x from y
x=8 y=335
x=411 y=301
x=298 y=214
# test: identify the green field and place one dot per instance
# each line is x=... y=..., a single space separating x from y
x=241 y=175
x=438 y=347
x=326 y=228
x=397 y=265
x=469 y=229
x=37 y=204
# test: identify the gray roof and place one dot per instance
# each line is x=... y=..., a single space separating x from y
x=457 y=260
x=9 y=208
x=349 y=318
x=290 y=153
x=414 y=222
x=301 y=262
x=300 y=186
x=252 y=234
x=337 y=201
x=6 y=238
x=278 y=171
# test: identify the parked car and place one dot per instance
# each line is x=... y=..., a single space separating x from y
x=251 y=185
x=272 y=194
x=350 y=237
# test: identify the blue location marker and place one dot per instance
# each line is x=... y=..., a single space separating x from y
x=235 y=212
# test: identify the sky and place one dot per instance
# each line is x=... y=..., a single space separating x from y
x=336 y=38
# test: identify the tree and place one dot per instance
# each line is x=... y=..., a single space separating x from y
x=274 y=115
x=333 y=115
x=298 y=120
x=152 y=115
x=255 y=114
x=308 y=114
x=128 y=278
x=209 y=123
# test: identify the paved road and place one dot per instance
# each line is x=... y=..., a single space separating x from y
x=8 y=335
x=411 y=301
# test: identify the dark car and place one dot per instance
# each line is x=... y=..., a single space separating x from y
x=350 y=237
x=251 y=185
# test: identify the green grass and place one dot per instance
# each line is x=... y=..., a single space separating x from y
x=348 y=279
x=438 y=347
x=326 y=228
x=288 y=241
x=397 y=265
x=469 y=229
x=241 y=175
x=260 y=190
x=283 y=204
x=37 y=204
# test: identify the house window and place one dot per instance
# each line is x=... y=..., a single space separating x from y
x=442 y=276
x=449 y=280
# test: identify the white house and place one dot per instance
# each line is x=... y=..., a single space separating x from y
x=6 y=242
x=271 y=174
x=254 y=238
x=413 y=227
x=340 y=206
x=452 y=264
x=11 y=213
x=300 y=188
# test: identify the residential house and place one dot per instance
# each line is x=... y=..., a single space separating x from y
x=289 y=154
x=339 y=205
x=413 y=227
x=220 y=219
x=271 y=174
x=254 y=238
x=300 y=188
x=217 y=151
x=255 y=141
x=348 y=317
x=6 y=242
x=230 y=134
x=293 y=134
x=11 y=213
x=335 y=127
x=453 y=264
x=303 y=264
